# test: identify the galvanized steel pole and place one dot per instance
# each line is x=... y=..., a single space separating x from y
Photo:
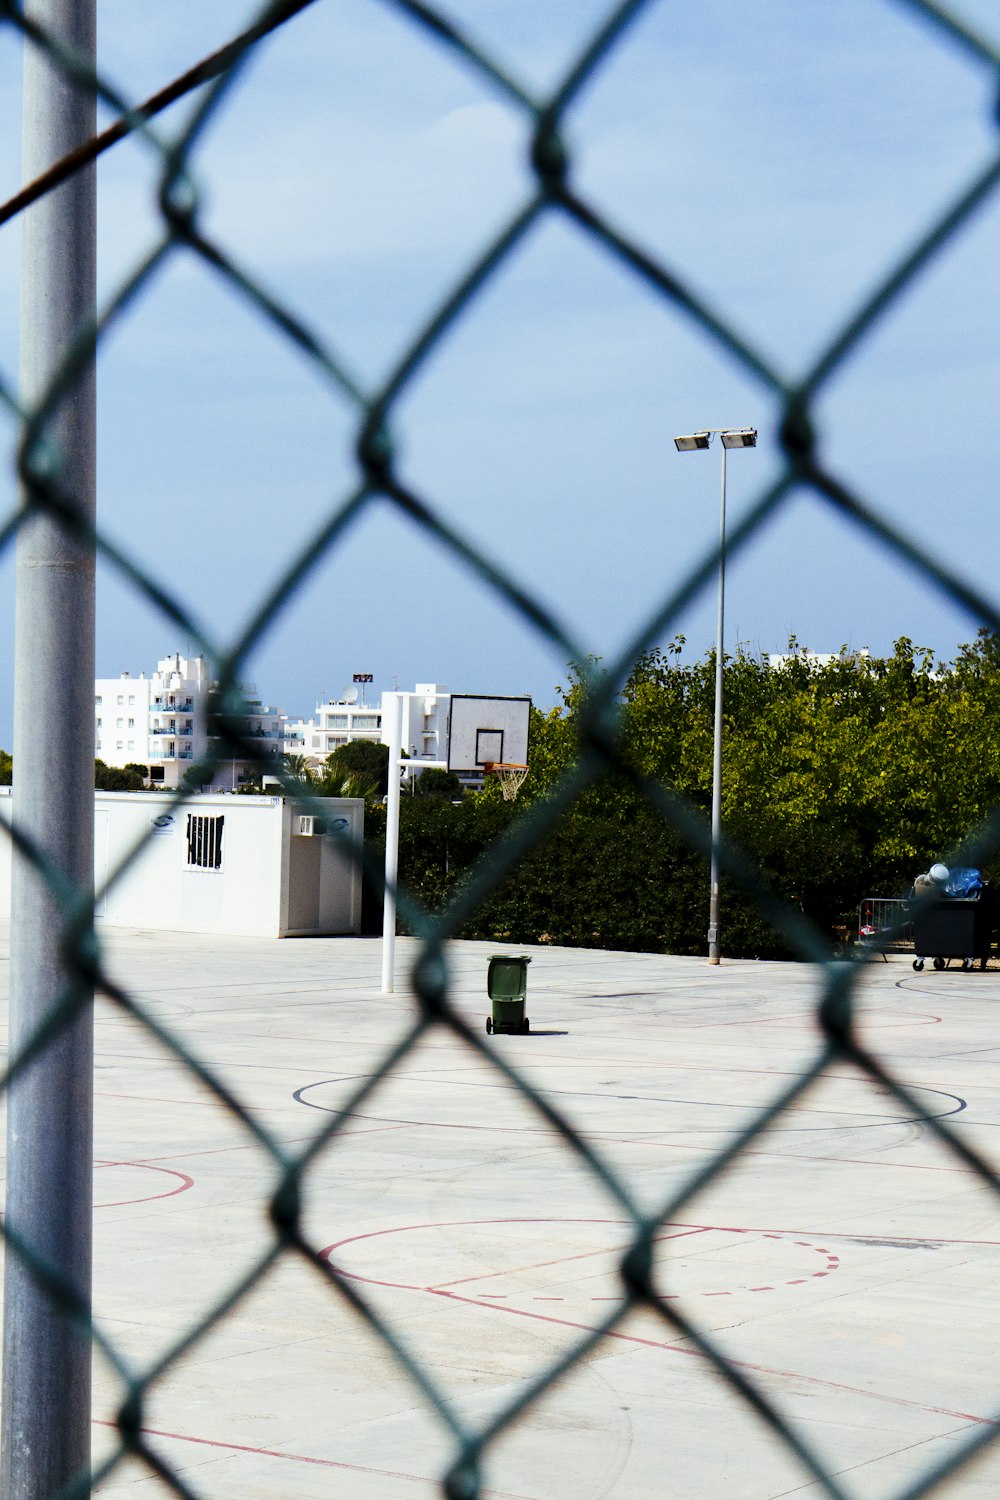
x=46 y=1358
x=714 y=946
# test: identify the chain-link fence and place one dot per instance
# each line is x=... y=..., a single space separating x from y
x=378 y=480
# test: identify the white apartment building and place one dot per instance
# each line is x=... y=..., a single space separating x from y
x=425 y=715
x=347 y=719
x=336 y=722
x=160 y=722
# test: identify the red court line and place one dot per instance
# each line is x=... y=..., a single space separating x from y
x=254 y=1145
x=833 y=1262
x=667 y=1346
x=301 y=1458
x=186 y=1183
x=739 y=1364
x=560 y=1260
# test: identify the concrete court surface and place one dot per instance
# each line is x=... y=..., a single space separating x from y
x=848 y=1263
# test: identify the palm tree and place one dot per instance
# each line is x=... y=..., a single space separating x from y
x=298 y=769
x=337 y=781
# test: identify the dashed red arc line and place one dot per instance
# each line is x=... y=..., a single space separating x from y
x=662 y=1344
x=676 y=1232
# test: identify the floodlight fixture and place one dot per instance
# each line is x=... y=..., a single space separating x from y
x=693 y=441
x=744 y=437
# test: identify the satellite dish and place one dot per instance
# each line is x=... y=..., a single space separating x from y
x=350 y=695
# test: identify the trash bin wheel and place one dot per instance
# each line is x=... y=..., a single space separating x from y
x=918 y=964
x=525 y=1024
x=967 y=964
x=939 y=962
x=489 y=1025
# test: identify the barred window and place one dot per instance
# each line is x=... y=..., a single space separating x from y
x=204 y=840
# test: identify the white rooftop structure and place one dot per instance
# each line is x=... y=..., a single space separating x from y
x=778 y=660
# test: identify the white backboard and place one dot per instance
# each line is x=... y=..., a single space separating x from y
x=487 y=729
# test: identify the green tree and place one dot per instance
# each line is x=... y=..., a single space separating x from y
x=840 y=780
x=131 y=778
x=362 y=758
x=297 y=767
x=436 y=782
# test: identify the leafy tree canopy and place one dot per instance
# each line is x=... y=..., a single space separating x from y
x=364 y=759
x=130 y=778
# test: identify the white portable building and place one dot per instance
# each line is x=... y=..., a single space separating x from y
x=250 y=866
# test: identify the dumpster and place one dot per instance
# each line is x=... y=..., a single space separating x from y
x=507 y=986
x=954 y=928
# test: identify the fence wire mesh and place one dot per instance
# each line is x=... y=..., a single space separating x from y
x=379 y=480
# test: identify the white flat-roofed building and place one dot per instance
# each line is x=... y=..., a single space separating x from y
x=335 y=723
x=250 y=866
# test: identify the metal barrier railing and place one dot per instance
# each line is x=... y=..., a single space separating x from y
x=379 y=481
x=884 y=922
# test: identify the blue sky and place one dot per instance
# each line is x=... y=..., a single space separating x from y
x=776 y=158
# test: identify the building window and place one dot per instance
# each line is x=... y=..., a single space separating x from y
x=204 y=841
x=131 y=701
x=98 y=699
x=336 y=721
x=131 y=744
x=119 y=746
x=131 y=723
x=98 y=723
x=121 y=698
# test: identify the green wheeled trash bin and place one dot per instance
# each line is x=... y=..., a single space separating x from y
x=507 y=986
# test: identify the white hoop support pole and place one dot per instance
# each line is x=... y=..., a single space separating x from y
x=391 y=845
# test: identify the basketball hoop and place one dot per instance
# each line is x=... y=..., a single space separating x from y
x=510 y=775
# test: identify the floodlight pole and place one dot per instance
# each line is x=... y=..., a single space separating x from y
x=745 y=437
x=45 y=1439
x=720 y=637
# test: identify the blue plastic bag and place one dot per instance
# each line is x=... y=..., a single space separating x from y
x=963 y=882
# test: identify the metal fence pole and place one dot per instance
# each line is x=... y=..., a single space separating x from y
x=46 y=1359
